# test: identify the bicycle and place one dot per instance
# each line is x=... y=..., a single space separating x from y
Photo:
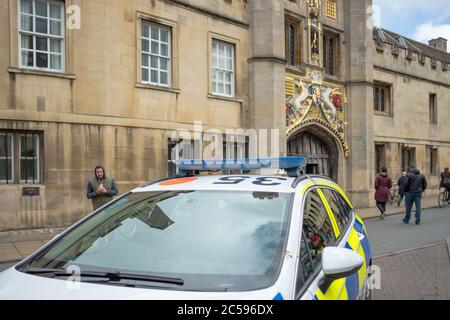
x=443 y=198
x=394 y=195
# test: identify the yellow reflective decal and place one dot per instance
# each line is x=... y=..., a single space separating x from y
x=337 y=232
x=336 y=291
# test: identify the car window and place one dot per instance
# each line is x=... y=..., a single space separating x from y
x=317 y=229
x=346 y=210
x=213 y=240
x=340 y=214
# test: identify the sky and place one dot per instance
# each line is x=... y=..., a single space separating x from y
x=421 y=20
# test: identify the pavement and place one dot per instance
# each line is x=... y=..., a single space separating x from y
x=417 y=274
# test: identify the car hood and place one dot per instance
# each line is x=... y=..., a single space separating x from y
x=21 y=286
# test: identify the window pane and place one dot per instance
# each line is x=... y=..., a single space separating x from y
x=228 y=77
x=5 y=146
x=41 y=25
x=154 y=76
x=228 y=89
x=41 y=60
x=164 y=50
x=26 y=23
x=28 y=170
x=221 y=63
x=26 y=6
x=229 y=64
x=144 y=74
x=214 y=61
x=5 y=169
x=155 y=49
x=155 y=33
x=145 y=30
x=163 y=64
x=55 y=45
x=228 y=51
x=27 y=42
x=27 y=147
x=41 y=8
x=55 y=27
x=144 y=45
x=317 y=227
x=55 y=11
x=144 y=60
x=55 y=62
x=221 y=49
x=164 y=35
x=163 y=78
x=220 y=88
x=154 y=62
x=27 y=58
x=41 y=43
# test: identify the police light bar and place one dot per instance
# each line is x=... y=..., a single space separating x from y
x=292 y=165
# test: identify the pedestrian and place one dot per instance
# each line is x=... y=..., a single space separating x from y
x=402 y=181
x=383 y=184
x=445 y=182
x=101 y=188
x=415 y=186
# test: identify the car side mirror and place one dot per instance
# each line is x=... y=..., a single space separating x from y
x=338 y=263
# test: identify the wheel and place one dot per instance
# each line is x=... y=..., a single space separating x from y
x=442 y=199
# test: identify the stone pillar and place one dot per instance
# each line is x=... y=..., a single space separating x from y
x=359 y=78
x=267 y=68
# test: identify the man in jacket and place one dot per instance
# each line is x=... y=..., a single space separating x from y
x=445 y=182
x=101 y=188
x=401 y=183
x=415 y=186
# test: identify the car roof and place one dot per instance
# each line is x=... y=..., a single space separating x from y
x=224 y=182
x=267 y=183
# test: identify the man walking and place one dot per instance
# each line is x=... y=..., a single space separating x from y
x=401 y=183
x=101 y=188
x=415 y=186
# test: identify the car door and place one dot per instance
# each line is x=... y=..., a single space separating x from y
x=318 y=232
x=351 y=235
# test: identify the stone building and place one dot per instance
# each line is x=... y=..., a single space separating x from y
x=84 y=82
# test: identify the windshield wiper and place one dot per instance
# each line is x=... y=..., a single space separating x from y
x=110 y=275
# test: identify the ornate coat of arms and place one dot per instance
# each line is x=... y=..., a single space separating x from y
x=311 y=101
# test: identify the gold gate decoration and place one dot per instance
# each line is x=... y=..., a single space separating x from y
x=310 y=100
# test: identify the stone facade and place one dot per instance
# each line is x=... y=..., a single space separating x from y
x=99 y=111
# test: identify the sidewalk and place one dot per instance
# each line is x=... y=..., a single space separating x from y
x=17 y=245
x=367 y=213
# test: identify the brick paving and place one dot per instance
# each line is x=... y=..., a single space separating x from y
x=420 y=274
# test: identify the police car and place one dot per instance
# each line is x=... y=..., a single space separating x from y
x=237 y=236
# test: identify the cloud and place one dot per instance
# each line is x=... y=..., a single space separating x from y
x=428 y=31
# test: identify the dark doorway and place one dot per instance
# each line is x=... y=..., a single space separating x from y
x=314 y=149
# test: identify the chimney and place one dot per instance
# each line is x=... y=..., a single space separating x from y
x=439 y=43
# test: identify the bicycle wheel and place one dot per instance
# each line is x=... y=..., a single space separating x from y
x=442 y=199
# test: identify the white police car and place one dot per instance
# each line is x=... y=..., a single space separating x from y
x=207 y=237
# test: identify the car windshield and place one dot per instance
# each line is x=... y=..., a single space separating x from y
x=213 y=240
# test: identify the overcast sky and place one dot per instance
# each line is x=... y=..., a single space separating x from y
x=421 y=20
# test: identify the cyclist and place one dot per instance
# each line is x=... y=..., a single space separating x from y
x=445 y=182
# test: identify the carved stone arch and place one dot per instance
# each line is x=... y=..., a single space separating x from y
x=335 y=148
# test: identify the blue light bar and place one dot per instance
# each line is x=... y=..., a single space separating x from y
x=292 y=165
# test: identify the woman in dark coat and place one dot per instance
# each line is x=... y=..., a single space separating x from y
x=383 y=184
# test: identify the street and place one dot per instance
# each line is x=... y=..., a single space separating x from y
x=391 y=234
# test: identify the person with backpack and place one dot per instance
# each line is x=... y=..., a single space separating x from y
x=401 y=183
x=415 y=186
x=445 y=182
